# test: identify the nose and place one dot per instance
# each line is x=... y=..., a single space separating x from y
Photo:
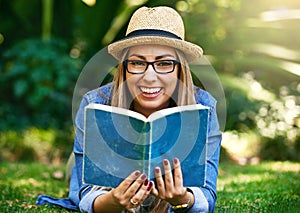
x=150 y=74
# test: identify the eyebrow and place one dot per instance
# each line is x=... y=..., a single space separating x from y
x=156 y=58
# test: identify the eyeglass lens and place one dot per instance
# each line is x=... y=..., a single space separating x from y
x=160 y=66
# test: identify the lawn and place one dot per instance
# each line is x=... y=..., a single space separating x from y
x=265 y=187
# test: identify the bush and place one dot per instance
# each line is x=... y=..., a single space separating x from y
x=38 y=78
x=274 y=118
x=42 y=145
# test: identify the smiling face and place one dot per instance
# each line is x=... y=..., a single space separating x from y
x=151 y=91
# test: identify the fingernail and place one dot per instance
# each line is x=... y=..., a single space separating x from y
x=176 y=160
x=150 y=186
x=137 y=173
x=157 y=169
x=143 y=176
x=146 y=182
x=166 y=162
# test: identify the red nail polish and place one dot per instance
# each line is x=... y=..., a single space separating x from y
x=166 y=162
x=137 y=173
x=150 y=186
x=146 y=182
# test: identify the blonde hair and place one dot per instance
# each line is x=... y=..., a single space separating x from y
x=184 y=94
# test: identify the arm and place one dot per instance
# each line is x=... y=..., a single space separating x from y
x=135 y=188
x=86 y=193
x=128 y=195
x=213 y=154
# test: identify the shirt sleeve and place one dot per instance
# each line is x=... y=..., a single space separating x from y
x=86 y=203
x=87 y=193
x=213 y=154
x=200 y=204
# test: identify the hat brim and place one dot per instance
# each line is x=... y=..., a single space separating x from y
x=191 y=51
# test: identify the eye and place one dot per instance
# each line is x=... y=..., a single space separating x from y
x=165 y=63
x=137 y=63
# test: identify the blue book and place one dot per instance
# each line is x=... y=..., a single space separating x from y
x=118 y=141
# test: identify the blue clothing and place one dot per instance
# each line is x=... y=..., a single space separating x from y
x=83 y=195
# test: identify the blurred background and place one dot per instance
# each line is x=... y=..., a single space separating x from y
x=254 y=47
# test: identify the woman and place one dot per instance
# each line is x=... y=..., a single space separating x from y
x=153 y=74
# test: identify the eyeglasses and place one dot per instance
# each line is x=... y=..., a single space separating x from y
x=159 y=66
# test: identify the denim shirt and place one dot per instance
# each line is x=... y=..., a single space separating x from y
x=84 y=195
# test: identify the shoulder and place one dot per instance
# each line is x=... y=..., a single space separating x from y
x=203 y=97
x=100 y=95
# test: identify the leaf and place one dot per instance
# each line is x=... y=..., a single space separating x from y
x=20 y=87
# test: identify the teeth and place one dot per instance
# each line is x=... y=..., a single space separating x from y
x=150 y=90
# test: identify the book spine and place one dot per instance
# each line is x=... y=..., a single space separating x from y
x=150 y=139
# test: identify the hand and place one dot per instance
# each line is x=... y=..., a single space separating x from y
x=132 y=191
x=170 y=188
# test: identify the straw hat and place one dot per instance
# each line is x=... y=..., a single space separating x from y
x=157 y=25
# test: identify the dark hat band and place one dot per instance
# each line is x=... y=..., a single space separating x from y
x=151 y=32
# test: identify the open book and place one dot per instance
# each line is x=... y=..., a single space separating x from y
x=118 y=141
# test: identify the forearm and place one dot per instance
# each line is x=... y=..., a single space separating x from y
x=187 y=199
x=105 y=203
x=98 y=200
x=200 y=201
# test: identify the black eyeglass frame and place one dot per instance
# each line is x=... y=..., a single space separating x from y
x=125 y=63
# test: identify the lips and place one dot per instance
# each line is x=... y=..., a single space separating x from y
x=151 y=92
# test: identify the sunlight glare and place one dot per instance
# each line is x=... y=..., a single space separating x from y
x=291 y=67
x=277 y=51
x=135 y=2
x=280 y=14
x=89 y=2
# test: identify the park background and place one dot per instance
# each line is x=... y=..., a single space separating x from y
x=253 y=46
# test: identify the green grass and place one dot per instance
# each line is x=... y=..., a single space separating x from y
x=266 y=187
x=21 y=183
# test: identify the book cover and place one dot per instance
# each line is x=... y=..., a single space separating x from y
x=118 y=141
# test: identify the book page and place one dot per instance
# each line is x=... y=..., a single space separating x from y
x=168 y=111
x=117 y=110
x=183 y=135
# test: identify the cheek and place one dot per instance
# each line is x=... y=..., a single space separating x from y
x=131 y=82
x=171 y=83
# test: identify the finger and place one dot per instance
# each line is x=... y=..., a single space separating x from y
x=169 y=183
x=154 y=190
x=124 y=185
x=160 y=185
x=133 y=188
x=148 y=191
x=142 y=193
x=178 y=180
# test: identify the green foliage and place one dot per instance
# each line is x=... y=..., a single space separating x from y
x=12 y=147
x=278 y=124
x=40 y=77
x=35 y=144
x=242 y=37
x=37 y=78
x=275 y=118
